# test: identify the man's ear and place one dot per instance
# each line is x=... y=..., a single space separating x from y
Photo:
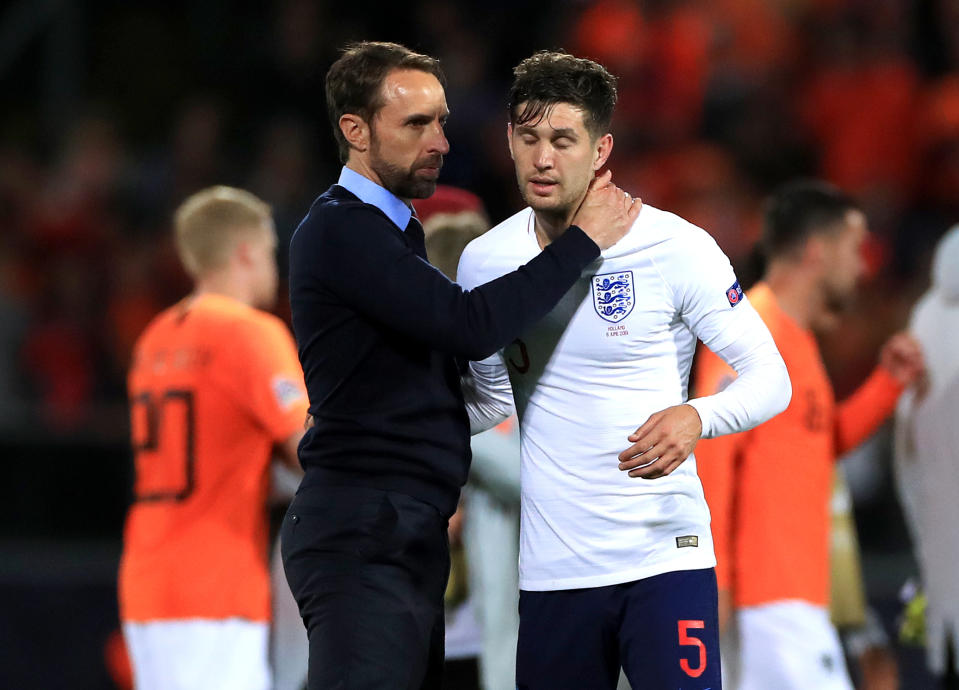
x=243 y=253
x=604 y=147
x=509 y=139
x=814 y=250
x=355 y=130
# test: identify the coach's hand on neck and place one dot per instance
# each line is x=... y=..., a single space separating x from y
x=607 y=212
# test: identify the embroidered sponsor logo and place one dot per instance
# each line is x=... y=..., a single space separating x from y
x=734 y=294
x=286 y=391
x=613 y=295
x=688 y=540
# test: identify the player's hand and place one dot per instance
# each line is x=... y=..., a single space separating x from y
x=607 y=212
x=902 y=357
x=662 y=443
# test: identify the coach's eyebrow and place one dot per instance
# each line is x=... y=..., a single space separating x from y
x=418 y=119
x=426 y=118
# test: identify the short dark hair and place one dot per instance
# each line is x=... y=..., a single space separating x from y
x=550 y=77
x=355 y=80
x=800 y=209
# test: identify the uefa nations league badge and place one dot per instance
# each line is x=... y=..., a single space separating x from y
x=613 y=295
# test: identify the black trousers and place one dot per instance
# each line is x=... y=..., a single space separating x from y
x=368 y=569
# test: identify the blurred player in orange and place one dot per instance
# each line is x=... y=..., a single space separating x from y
x=215 y=391
x=769 y=489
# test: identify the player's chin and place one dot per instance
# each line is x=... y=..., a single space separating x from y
x=544 y=203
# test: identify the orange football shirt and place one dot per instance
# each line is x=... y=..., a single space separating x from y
x=769 y=488
x=214 y=385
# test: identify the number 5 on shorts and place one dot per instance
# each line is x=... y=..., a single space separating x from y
x=686 y=640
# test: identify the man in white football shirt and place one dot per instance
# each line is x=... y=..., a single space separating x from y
x=615 y=570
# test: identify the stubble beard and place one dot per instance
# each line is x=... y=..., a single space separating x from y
x=840 y=299
x=837 y=303
x=400 y=181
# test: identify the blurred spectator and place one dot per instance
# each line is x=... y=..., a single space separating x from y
x=859 y=72
x=60 y=350
x=702 y=183
x=283 y=176
x=192 y=158
x=490 y=508
x=865 y=642
x=215 y=391
x=491 y=534
x=927 y=457
x=777 y=479
x=134 y=299
x=13 y=324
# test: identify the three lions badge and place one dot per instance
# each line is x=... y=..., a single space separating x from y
x=613 y=295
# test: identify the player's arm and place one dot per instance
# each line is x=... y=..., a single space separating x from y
x=487 y=393
x=265 y=377
x=286 y=450
x=900 y=365
x=732 y=329
x=486 y=387
x=761 y=389
x=496 y=462
x=285 y=470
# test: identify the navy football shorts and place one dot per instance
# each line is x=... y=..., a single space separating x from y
x=662 y=630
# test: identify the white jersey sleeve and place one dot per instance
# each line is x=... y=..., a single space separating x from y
x=486 y=390
x=718 y=313
x=759 y=392
x=487 y=393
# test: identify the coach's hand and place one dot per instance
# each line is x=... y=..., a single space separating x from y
x=662 y=443
x=607 y=212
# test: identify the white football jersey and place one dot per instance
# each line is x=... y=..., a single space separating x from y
x=617 y=348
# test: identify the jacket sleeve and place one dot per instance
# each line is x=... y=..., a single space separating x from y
x=364 y=260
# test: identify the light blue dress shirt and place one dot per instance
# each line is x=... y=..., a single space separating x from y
x=367 y=191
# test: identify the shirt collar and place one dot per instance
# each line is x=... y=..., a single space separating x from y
x=373 y=194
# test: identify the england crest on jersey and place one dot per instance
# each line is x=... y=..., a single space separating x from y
x=613 y=295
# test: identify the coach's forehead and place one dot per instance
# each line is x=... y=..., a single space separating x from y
x=413 y=89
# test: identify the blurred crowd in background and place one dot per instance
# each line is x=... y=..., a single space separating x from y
x=720 y=100
x=111 y=113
